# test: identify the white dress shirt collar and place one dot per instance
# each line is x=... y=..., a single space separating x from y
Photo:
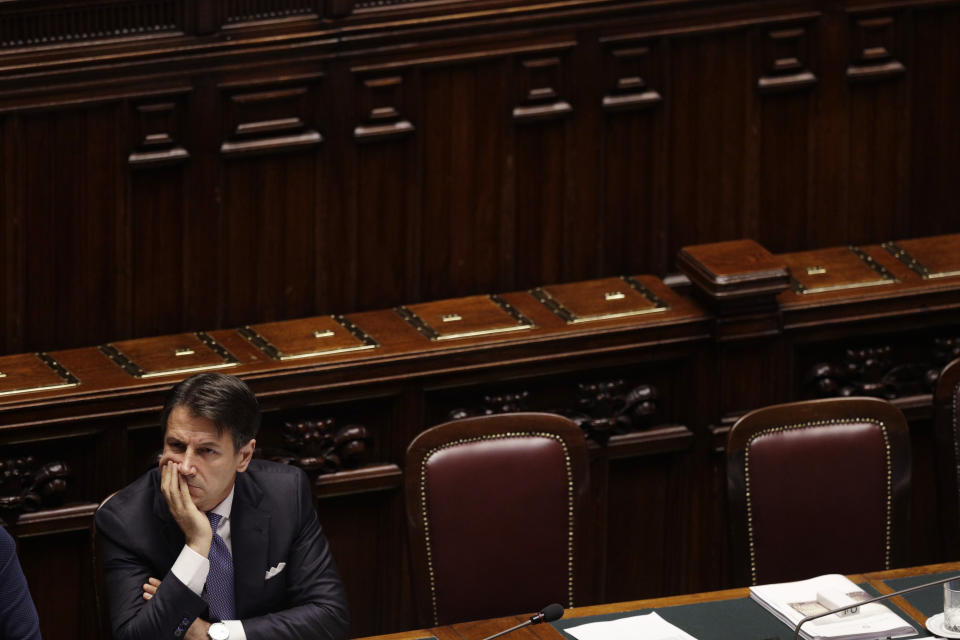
x=225 y=507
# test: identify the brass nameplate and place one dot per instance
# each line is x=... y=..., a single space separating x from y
x=297 y=339
x=33 y=372
x=595 y=300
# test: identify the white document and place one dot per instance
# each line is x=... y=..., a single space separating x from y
x=649 y=626
x=791 y=602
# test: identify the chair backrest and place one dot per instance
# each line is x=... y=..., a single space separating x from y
x=495 y=505
x=104 y=628
x=946 y=404
x=818 y=487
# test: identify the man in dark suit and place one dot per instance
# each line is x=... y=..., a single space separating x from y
x=214 y=544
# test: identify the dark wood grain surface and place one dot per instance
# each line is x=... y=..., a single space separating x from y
x=222 y=167
x=168 y=167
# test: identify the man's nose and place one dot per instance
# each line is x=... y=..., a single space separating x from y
x=187 y=466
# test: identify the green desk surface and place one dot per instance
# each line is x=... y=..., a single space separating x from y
x=741 y=619
x=927 y=601
x=736 y=619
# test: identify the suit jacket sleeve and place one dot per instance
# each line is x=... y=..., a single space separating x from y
x=18 y=616
x=318 y=604
x=126 y=567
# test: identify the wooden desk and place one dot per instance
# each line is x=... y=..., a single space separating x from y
x=482 y=628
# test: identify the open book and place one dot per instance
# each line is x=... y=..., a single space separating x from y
x=791 y=602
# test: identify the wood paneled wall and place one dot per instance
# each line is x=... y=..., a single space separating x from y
x=172 y=165
x=655 y=394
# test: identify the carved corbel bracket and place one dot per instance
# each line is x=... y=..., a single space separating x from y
x=510 y=402
x=881 y=371
x=601 y=408
x=26 y=485
x=605 y=408
x=320 y=447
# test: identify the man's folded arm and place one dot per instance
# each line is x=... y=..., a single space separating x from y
x=131 y=616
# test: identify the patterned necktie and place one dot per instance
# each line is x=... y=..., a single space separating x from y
x=219 y=586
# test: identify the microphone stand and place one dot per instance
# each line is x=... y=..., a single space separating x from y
x=886 y=596
x=519 y=626
x=548 y=614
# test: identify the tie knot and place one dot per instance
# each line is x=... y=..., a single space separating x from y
x=214 y=520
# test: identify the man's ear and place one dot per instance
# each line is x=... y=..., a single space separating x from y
x=246 y=455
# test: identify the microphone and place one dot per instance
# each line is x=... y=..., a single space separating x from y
x=886 y=596
x=549 y=613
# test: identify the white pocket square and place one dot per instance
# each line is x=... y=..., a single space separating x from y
x=273 y=571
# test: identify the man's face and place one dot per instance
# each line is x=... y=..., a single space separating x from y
x=207 y=462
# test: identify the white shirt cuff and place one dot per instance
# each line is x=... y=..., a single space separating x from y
x=235 y=627
x=191 y=569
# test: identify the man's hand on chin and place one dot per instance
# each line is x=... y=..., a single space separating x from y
x=194 y=524
x=197 y=630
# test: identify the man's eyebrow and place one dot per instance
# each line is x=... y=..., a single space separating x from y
x=205 y=443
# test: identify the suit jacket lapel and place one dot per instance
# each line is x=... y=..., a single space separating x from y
x=249 y=533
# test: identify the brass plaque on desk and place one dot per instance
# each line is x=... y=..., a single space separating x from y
x=169 y=355
x=308 y=338
x=599 y=299
x=31 y=372
x=931 y=258
x=464 y=317
x=834 y=269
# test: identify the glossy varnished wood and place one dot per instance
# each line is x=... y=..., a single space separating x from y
x=656 y=497
x=393 y=390
x=245 y=163
x=397 y=341
x=226 y=170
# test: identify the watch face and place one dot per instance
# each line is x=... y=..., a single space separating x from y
x=218 y=631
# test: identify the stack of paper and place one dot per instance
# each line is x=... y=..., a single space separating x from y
x=648 y=627
x=791 y=602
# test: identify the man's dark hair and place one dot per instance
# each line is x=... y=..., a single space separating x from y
x=225 y=400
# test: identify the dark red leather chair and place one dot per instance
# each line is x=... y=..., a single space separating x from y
x=495 y=506
x=818 y=487
x=946 y=404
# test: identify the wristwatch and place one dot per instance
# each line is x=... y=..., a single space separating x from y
x=218 y=631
